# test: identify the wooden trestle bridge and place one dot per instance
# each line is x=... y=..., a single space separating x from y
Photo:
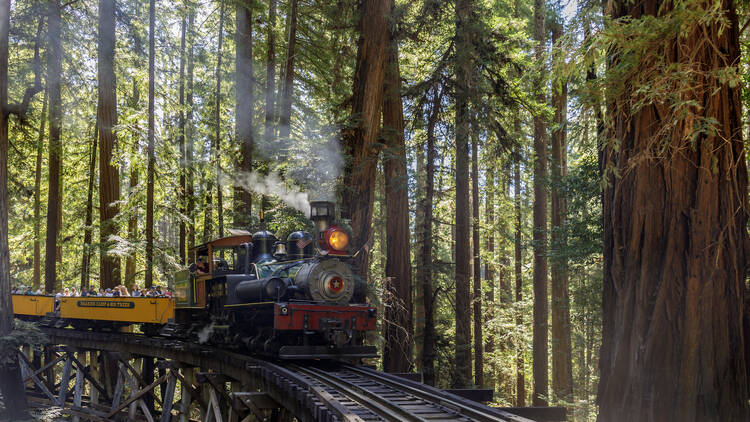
x=105 y=377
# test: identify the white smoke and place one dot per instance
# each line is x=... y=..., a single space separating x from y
x=272 y=184
x=205 y=333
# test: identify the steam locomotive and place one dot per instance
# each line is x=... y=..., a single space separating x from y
x=292 y=299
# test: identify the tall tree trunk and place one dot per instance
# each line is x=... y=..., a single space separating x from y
x=269 y=131
x=150 y=152
x=489 y=314
x=425 y=277
x=286 y=99
x=399 y=341
x=217 y=118
x=418 y=240
x=54 y=74
x=464 y=65
x=361 y=137
x=109 y=189
x=131 y=261
x=89 y=218
x=11 y=386
x=190 y=189
x=675 y=229
x=520 y=373
x=38 y=196
x=541 y=302
x=181 y=140
x=562 y=367
x=476 y=251
x=245 y=100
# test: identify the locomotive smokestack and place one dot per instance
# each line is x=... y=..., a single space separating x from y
x=322 y=213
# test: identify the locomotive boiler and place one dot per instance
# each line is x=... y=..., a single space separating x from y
x=295 y=298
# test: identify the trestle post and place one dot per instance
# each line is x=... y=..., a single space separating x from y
x=65 y=380
x=168 y=398
x=187 y=393
x=78 y=390
x=95 y=376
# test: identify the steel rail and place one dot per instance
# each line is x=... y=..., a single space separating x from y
x=374 y=403
x=462 y=406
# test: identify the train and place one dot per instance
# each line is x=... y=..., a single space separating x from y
x=289 y=299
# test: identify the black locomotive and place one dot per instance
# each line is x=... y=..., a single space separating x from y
x=294 y=299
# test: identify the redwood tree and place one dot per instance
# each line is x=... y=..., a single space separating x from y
x=562 y=368
x=398 y=331
x=464 y=63
x=109 y=189
x=150 y=151
x=286 y=98
x=675 y=212
x=11 y=386
x=54 y=74
x=425 y=276
x=361 y=137
x=541 y=303
x=244 y=104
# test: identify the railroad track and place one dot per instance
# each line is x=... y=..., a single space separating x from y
x=362 y=394
x=313 y=391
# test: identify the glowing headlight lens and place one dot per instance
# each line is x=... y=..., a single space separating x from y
x=338 y=240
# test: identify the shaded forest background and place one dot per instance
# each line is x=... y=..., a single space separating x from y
x=475 y=129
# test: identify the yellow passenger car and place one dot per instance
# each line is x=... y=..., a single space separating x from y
x=32 y=305
x=134 y=310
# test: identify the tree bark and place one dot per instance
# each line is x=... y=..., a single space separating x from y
x=520 y=373
x=54 y=74
x=89 y=218
x=150 y=152
x=286 y=99
x=397 y=322
x=675 y=230
x=217 y=118
x=38 y=196
x=181 y=141
x=562 y=367
x=464 y=65
x=109 y=189
x=541 y=302
x=11 y=386
x=245 y=101
x=425 y=277
x=476 y=251
x=360 y=139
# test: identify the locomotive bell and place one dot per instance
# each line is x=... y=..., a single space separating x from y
x=263 y=242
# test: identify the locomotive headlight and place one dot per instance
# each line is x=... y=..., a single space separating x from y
x=338 y=239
